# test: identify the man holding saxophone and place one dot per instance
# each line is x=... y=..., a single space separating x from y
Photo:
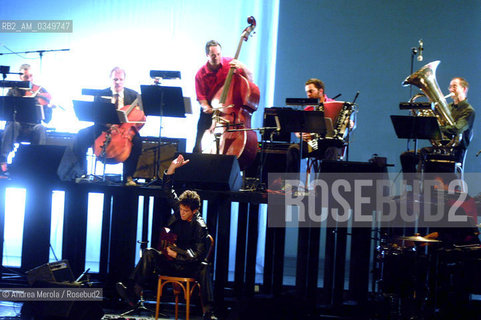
x=463 y=117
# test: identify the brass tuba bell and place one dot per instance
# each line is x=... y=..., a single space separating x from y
x=425 y=79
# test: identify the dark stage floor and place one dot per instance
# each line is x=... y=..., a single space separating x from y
x=13 y=310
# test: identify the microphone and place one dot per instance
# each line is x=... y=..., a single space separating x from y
x=420 y=50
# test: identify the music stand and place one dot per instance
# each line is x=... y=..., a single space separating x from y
x=16 y=84
x=409 y=127
x=302 y=121
x=20 y=109
x=290 y=120
x=162 y=101
x=99 y=112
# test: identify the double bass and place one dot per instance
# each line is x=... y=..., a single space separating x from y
x=233 y=106
x=116 y=143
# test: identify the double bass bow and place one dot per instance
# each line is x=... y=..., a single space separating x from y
x=233 y=106
x=116 y=143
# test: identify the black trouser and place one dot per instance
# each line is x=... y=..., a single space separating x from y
x=204 y=123
x=85 y=139
x=153 y=263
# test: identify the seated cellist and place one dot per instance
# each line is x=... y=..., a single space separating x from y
x=121 y=97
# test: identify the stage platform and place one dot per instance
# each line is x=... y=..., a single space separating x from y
x=335 y=270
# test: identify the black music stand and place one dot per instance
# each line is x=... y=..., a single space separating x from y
x=409 y=127
x=99 y=112
x=290 y=120
x=162 y=101
x=272 y=126
x=20 y=109
x=304 y=121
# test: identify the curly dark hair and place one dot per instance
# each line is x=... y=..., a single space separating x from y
x=191 y=199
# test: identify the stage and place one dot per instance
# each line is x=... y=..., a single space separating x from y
x=320 y=270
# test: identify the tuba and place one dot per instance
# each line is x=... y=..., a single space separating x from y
x=425 y=79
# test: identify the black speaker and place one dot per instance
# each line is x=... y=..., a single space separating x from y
x=209 y=172
x=58 y=275
x=55 y=272
x=37 y=162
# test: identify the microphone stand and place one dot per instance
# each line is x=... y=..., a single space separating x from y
x=414 y=52
x=40 y=53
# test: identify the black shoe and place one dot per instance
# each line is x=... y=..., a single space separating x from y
x=126 y=294
x=209 y=315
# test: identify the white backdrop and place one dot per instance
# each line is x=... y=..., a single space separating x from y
x=139 y=36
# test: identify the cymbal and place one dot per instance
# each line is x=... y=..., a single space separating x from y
x=417 y=238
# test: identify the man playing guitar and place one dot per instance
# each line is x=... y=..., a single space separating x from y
x=185 y=257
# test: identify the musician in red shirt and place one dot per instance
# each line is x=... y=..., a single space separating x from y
x=314 y=90
x=208 y=81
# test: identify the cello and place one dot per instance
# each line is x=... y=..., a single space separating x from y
x=233 y=106
x=116 y=142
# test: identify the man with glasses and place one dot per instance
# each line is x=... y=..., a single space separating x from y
x=463 y=115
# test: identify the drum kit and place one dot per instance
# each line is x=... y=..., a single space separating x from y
x=403 y=271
